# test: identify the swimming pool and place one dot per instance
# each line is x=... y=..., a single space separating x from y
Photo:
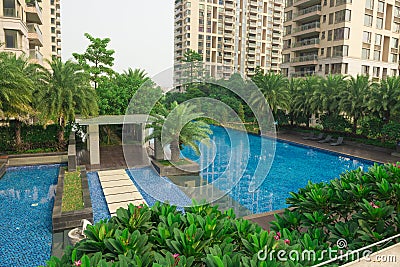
x=26 y=204
x=292 y=167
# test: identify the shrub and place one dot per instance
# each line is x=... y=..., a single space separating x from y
x=361 y=207
x=335 y=123
x=391 y=131
x=371 y=127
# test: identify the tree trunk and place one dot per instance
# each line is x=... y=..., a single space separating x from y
x=308 y=120
x=386 y=117
x=355 y=120
x=18 y=138
x=175 y=151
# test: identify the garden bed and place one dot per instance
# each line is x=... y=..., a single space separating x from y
x=71 y=219
x=183 y=167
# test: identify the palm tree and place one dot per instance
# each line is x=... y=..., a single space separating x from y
x=67 y=93
x=180 y=129
x=293 y=87
x=353 y=99
x=385 y=98
x=274 y=88
x=326 y=96
x=18 y=78
x=302 y=98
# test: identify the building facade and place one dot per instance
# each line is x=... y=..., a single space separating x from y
x=341 y=37
x=230 y=35
x=31 y=28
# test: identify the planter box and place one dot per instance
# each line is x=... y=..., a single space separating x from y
x=72 y=219
x=192 y=168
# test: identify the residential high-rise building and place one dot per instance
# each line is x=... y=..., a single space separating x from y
x=230 y=35
x=31 y=28
x=341 y=37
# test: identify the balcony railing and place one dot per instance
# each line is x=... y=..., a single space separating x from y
x=304 y=58
x=311 y=41
x=309 y=26
x=308 y=10
x=10 y=12
x=35 y=55
x=302 y=73
x=342 y=2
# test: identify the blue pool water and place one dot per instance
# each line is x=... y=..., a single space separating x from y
x=292 y=167
x=99 y=205
x=26 y=204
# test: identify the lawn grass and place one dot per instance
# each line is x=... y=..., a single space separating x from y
x=72 y=195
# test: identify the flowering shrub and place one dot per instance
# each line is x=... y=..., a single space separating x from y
x=360 y=207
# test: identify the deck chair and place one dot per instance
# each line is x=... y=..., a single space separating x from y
x=338 y=142
x=311 y=135
x=319 y=137
x=326 y=140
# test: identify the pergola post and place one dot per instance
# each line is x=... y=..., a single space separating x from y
x=94 y=144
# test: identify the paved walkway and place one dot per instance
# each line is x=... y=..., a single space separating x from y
x=349 y=148
x=119 y=190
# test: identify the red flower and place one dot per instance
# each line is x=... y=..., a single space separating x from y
x=287 y=241
x=278 y=234
x=373 y=205
x=276 y=237
x=177 y=259
x=78 y=263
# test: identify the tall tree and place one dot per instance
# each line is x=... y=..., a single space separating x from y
x=325 y=98
x=353 y=100
x=68 y=93
x=385 y=98
x=302 y=97
x=180 y=129
x=192 y=61
x=274 y=88
x=97 y=59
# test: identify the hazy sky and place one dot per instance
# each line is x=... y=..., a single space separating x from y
x=141 y=31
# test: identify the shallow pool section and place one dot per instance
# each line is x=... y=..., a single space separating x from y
x=26 y=204
x=99 y=204
x=293 y=166
x=153 y=187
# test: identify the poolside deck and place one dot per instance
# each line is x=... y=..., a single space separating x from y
x=119 y=190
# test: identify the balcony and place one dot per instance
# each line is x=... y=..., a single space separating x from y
x=35 y=56
x=306 y=44
x=10 y=12
x=229 y=20
x=299 y=3
x=302 y=73
x=229 y=6
x=35 y=36
x=34 y=13
x=304 y=60
x=309 y=13
x=307 y=28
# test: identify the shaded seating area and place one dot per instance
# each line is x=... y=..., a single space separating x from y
x=338 y=142
x=326 y=140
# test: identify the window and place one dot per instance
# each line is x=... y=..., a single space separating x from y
x=365 y=53
x=323 y=35
x=329 y=52
x=11 y=38
x=53 y=48
x=397 y=11
x=53 y=21
x=376 y=71
x=53 y=11
x=320 y=67
x=53 y=39
x=393 y=58
x=330 y=35
x=369 y=4
x=377 y=55
x=340 y=51
x=393 y=72
x=367 y=37
x=341 y=33
x=53 y=30
x=331 y=18
x=288 y=15
x=326 y=68
x=378 y=39
x=365 y=70
x=396 y=27
x=367 y=20
x=379 y=23
x=323 y=18
x=322 y=51
x=342 y=15
x=381 y=6
x=331 y=3
x=9 y=9
x=394 y=43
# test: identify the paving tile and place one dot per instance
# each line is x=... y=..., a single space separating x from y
x=118 y=177
x=119 y=190
x=112 y=172
x=114 y=206
x=123 y=197
x=116 y=183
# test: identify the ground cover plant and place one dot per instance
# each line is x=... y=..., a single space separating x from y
x=72 y=192
x=361 y=207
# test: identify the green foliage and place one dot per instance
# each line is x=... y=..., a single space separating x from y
x=335 y=122
x=391 y=131
x=371 y=126
x=97 y=60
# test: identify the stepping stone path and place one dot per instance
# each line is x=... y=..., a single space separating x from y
x=119 y=190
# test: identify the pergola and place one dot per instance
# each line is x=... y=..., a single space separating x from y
x=136 y=131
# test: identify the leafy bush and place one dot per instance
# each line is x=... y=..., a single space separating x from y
x=335 y=123
x=371 y=127
x=391 y=131
x=361 y=207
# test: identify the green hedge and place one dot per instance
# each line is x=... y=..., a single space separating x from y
x=35 y=138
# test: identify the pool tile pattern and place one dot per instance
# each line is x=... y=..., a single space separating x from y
x=99 y=205
x=26 y=203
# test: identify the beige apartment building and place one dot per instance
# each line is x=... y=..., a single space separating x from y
x=231 y=35
x=341 y=36
x=31 y=28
